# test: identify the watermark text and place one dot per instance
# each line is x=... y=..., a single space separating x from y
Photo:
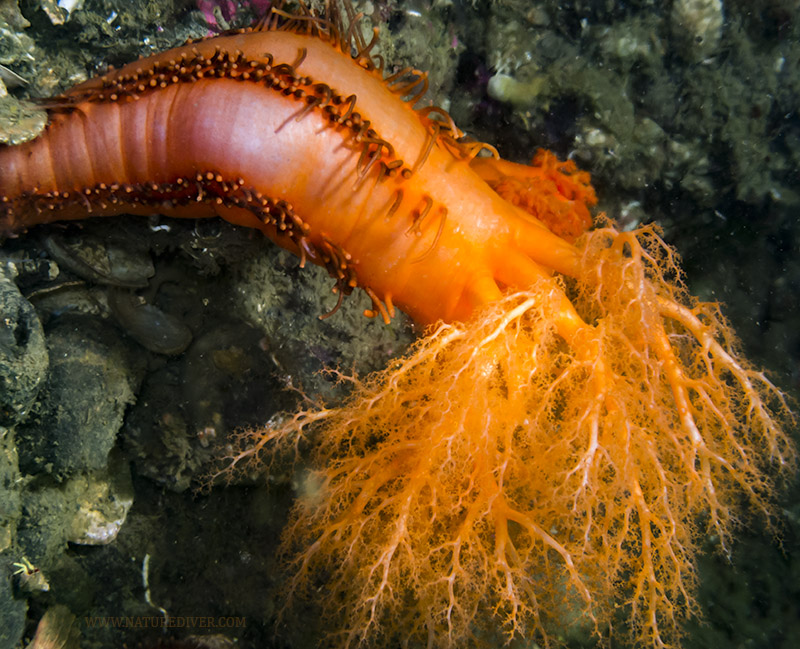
x=159 y=621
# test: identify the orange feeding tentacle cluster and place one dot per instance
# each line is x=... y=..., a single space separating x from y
x=555 y=192
x=526 y=471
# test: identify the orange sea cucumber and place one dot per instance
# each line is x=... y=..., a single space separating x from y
x=541 y=449
x=280 y=131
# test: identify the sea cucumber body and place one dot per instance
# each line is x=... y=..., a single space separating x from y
x=436 y=241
